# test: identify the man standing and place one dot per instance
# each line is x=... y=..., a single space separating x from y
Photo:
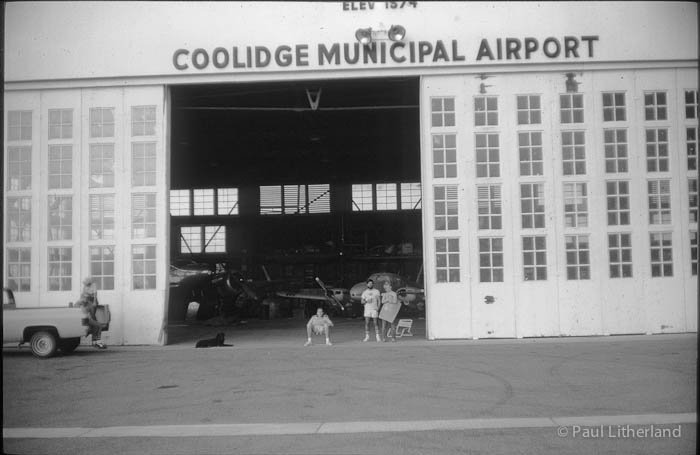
x=370 y=299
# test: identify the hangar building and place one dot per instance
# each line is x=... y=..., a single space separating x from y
x=535 y=164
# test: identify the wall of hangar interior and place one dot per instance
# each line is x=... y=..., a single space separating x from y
x=550 y=212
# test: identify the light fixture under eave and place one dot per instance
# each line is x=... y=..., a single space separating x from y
x=364 y=36
x=397 y=33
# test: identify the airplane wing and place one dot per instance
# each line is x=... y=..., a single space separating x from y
x=303 y=295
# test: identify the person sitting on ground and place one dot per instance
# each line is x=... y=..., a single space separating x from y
x=88 y=303
x=319 y=324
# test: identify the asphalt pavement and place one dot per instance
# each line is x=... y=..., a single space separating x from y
x=269 y=394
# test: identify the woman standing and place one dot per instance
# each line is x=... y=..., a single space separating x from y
x=389 y=311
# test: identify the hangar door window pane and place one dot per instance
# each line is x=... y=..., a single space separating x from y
x=532 y=205
x=227 y=201
x=143 y=120
x=489 y=206
x=60 y=217
x=190 y=239
x=180 y=202
x=386 y=196
x=659 y=192
x=693 y=199
x=143 y=215
x=535 y=258
x=655 y=106
x=60 y=269
x=615 y=143
x=486 y=111
x=102 y=266
x=578 y=257
x=19 y=269
x=620 y=255
x=573 y=147
x=203 y=202
x=447 y=260
x=442 y=111
x=19 y=126
x=143 y=266
x=60 y=123
x=657 y=149
x=102 y=122
x=19 y=168
x=19 y=219
x=487 y=155
x=271 y=200
x=614 y=107
x=362 y=198
x=529 y=109
x=101 y=216
x=661 y=244
x=215 y=239
x=618 y=198
x=491 y=260
x=101 y=165
x=691 y=142
x=691 y=104
x=576 y=205
x=446 y=208
x=60 y=167
x=571 y=108
x=319 y=198
x=694 y=252
x=143 y=164
x=444 y=156
x=411 y=196
x=530 y=151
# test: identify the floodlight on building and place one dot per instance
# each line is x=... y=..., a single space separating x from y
x=366 y=35
x=571 y=83
x=397 y=33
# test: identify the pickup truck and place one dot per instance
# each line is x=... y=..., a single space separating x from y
x=47 y=329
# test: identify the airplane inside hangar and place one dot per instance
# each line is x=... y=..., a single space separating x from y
x=274 y=185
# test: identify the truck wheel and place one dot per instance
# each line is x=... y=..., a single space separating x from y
x=68 y=345
x=43 y=344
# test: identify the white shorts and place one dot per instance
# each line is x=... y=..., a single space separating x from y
x=371 y=312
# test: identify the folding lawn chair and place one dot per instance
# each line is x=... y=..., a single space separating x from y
x=403 y=328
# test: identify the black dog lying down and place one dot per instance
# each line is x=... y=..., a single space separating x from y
x=218 y=340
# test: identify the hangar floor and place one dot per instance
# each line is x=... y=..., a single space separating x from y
x=278 y=332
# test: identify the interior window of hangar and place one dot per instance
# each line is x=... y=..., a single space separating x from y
x=180 y=203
